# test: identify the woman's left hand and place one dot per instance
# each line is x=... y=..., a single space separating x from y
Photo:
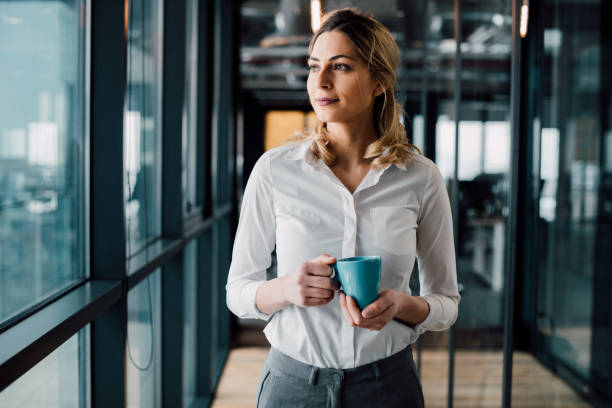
x=376 y=315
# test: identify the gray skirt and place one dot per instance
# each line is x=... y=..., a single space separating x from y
x=390 y=382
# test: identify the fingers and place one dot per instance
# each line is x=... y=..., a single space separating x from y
x=316 y=301
x=375 y=308
x=382 y=313
x=322 y=282
x=379 y=321
x=310 y=284
x=353 y=310
x=321 y=266
x=344 y=308
x=313 y=297
x=316 y=293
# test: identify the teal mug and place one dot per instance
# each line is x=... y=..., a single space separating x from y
x=359 y=277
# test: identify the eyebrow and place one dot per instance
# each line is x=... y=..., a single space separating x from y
x=333 y=58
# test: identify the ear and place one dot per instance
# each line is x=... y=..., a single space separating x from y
x=379 y=90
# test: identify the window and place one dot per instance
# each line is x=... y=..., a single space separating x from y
x=189 y=325
x=143 y=346
x=191 y=147
x=142 y=125
x=42 y=139
x=60 y=380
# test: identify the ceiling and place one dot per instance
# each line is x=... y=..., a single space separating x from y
x=275 y=35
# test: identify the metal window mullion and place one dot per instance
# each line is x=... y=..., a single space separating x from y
x=173 y=105
x=204 y=103
x=515 y=117
x=108 y=247
x=204 y=314
x=455 y=184
x=172 y=308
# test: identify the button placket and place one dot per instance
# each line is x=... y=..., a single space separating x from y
x=350 y=226
x=348 y=250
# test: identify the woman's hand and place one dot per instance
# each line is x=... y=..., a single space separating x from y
x=310 y=284
x=376 y=315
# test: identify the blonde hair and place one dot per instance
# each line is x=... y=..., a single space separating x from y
x=375 y=45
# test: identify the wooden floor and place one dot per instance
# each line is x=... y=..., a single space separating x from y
x=478 y=380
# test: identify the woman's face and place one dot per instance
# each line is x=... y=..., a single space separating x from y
x=340 y=86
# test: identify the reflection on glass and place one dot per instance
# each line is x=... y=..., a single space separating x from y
x=418 y=132
x=570 y=168
x=143 y=348
x=189 y=327
x=189 y=126
x=59 y=380
x=42 y=135
x=474 y=130
x=142 y=125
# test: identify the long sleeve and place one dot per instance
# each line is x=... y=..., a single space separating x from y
x=253 y=244
x=436 y=256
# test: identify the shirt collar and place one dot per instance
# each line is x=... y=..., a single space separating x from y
x=302 y=151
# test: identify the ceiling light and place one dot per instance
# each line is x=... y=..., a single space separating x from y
x=524 y=18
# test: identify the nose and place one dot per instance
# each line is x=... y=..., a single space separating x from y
x=323 y=79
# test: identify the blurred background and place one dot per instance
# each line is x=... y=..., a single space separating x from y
x=128 y=132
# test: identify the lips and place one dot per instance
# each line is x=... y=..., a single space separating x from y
x=326 y=101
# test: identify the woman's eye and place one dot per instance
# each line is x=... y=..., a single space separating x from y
x=312 y=67
x=341 y=67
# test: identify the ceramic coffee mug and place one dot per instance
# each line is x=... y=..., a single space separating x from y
x=359 y=277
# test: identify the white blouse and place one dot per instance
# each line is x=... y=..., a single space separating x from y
x=294 y=201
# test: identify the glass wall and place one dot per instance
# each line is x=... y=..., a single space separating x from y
x=569 y=169
x=142 y=124
x=43 y=232
x=143 y=343
x=570 y=224
x=52 y=53
x=190 y=109
x=455 y=84
x=190 y=316
x=60 y=380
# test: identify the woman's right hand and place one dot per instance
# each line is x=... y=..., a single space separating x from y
x=310 y=284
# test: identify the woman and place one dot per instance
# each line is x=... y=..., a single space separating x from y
x=354 y=186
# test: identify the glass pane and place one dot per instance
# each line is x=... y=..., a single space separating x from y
x=205 y=312
x=190 y=132
x=143 y=348
x=483 y=172
x=569 y=224
x=189 y=328
x=60 y=380
x=42 y=137
x=142 y=125
x=222 y=247
x=434 y=80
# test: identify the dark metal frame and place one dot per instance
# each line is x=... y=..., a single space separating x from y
x=101 y=300
x=516 y=118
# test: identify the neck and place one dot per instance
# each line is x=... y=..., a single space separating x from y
x=349 y=142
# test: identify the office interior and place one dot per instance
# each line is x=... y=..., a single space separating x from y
x=128 y=130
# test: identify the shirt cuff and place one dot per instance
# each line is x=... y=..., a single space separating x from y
x=249 y=296
x=437 y=318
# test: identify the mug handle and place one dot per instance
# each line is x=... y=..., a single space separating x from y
x=334 y=275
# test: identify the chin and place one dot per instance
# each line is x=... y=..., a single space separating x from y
x=326 y=117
